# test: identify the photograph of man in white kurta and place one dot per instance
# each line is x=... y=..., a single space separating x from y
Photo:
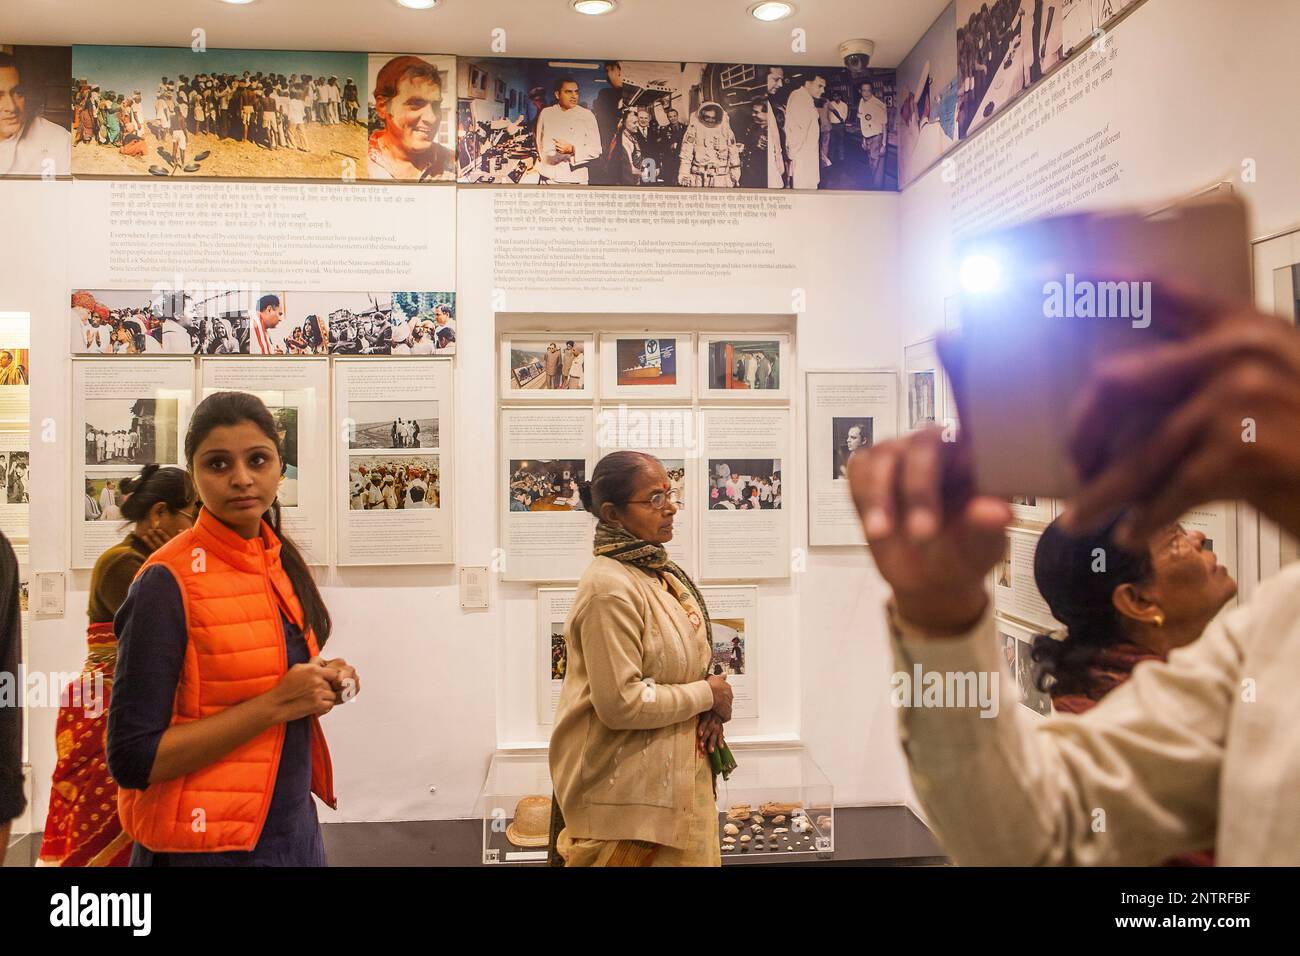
x=133 y=431
x=744 y=484
x=103 y=497
x=745 y=364
x=568 y=137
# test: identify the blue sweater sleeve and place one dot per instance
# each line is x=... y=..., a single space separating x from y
x=151 y=636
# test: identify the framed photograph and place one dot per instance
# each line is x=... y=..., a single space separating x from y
x=393 y=495
x=548 y=366
x=396 y=84
x=296 y=392
x=846 y=411
x=1015 y=646
x=743 y=367
x=553 y=606
x=646 y=366
x=735 y=652
x=128 y=415
x=924 y=387
x=1276 y=266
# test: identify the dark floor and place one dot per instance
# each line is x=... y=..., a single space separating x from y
x=878 y=836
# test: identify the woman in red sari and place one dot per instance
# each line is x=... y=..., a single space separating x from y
x=82 y=827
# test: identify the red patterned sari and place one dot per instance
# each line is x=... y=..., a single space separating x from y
x=82 y=827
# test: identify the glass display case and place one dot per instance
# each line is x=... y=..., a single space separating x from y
x=778 y=805
x=515 y=806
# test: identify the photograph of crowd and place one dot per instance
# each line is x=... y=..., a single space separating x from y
x=1002 y=47
x=927 y=99
x=1033 y=698
x=384 y=323
x=745 y=484
x=35 y=114
x=394 y=425
x=676 y=469
x=103 y=497
x=106 y=322
x=555 y=364
x=241 y=113
x=410 y=98
x=15 y=367
x=646 y=361
x=728 y=647
x=745 y=364
x=14 y=468
x=848 y=435
x=546 y=485
x=703 y=125
x=393 y=482
x=559 y=651
x=132 y=431
x=920 y=399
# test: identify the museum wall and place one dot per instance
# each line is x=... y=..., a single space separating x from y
x=1164 y=106
x=445 y=687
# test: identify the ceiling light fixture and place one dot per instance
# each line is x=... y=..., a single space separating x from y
x=237 y=1
x=593 y=8
x=770 y=10
x=418 y=4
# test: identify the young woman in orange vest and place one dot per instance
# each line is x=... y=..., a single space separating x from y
x=214 y=730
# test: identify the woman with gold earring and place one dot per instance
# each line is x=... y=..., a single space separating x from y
x=1121 y=608
x=82 y=827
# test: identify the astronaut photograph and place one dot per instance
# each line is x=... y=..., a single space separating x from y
x=698 y=125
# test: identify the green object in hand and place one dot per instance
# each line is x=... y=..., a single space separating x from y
x=722 y=761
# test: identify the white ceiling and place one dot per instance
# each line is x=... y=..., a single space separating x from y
x=710 y=30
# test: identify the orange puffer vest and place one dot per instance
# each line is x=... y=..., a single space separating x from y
x=233 y=590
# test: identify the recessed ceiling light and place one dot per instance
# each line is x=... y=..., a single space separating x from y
x=418 y=4
x=237 y=1
x=770 y=10
x=593 y=8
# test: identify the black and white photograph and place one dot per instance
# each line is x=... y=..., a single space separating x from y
x=556 y=364
x=920 y=399
x=744 y=484
x=247 y=114
x=728 y=658
x=35 y=113
x=393 y=482
x=745 y=364
x=103 y=496
x=1007 y=644
x=690 y=124
x=15 y=467
x=384 y=323
x=1033 y=698
x=394 y=425
x=125 y=431
x=545 y=485
x=110 y=322
x=1002 y=47
x=848 y=435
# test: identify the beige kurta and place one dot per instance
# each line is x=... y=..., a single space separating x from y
x=1195 y=752
x=623 y=751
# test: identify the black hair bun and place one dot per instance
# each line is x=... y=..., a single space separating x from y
x=584 y=492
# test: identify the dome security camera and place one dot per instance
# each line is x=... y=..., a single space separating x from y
x=857 y=54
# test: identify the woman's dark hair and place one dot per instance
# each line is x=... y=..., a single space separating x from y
x=170 y=485
x=223 y=410
x=1077 y=576
x=614 y=479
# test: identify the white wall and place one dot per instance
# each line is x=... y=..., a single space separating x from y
x=442 y=687
x=1200 y=88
